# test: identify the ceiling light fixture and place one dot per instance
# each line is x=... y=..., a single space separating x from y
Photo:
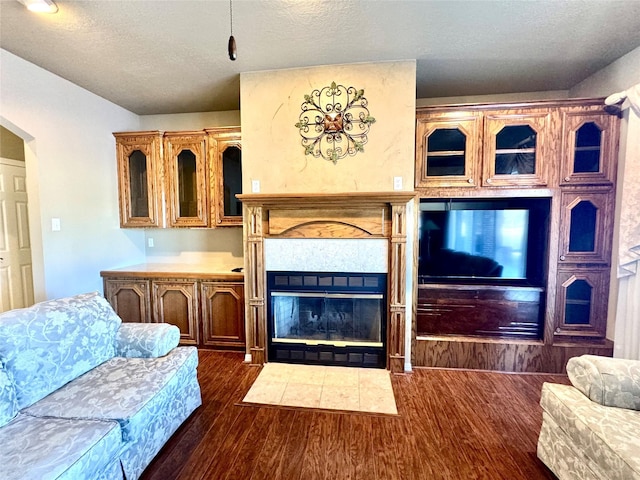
x=40 y=6
x=233 y=53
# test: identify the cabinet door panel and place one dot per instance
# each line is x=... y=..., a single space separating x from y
x=581 y=302
x=516 y=147
x=176 y=302
x=223 y=314
x=186 y=180
x=139 y=178
x=586 y=227
x=448 y=150
x=589 y=148
x=130 y=299
x=225 y=156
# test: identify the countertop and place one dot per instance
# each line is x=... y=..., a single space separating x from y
x=202 y=270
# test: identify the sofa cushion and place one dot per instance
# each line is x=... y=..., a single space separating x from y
x=60 y=448
x=119 y=389
x=146 y=339
x=608 y=381
x=606 y=436
x=8 y=403
x=51 y=343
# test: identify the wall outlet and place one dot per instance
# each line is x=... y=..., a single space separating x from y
x=150 y=242
x=255 y=186
x=397 y=183
x=55 y=224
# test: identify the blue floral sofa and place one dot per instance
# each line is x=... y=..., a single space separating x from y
x=85 y=396
x=591 y=429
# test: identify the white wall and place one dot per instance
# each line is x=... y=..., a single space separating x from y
x=71 y=174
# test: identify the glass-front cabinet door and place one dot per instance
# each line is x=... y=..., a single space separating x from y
x=139 y=173
x=225 y=153
x=186 y=179
x=448 y=150
x=585 y=227
x=581 y=302
x=515 y=148
x=589 y=148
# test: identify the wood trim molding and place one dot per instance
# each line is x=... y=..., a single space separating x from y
x=354 y=215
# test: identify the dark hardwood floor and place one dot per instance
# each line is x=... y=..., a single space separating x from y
x=452 y=424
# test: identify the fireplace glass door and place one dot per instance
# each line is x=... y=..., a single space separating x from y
x=328 y=318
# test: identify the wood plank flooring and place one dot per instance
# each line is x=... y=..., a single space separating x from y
x=452 y=424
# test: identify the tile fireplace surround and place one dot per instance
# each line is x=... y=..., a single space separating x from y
x=297 y=217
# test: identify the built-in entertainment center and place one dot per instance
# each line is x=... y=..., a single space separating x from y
x=515 y=218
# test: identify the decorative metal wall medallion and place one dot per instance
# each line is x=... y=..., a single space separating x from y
x=334 y=122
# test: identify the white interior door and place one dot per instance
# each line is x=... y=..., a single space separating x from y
x=16 y=275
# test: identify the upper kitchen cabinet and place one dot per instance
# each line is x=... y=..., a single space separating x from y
x=225 y=167
x=186 y=182
x=589 y=147
x=140 y=178
x=448 y=150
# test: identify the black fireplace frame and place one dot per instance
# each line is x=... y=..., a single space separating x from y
x=329 y=283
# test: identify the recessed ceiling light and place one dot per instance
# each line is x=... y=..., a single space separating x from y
x=40 y=6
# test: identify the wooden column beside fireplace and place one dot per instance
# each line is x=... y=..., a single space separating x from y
x=318 y=216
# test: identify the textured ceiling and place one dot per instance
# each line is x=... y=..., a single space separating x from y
x=167 y=56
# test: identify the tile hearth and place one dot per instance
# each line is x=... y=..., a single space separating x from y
x=316 y=386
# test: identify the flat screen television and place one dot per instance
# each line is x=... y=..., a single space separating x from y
x=485 y=241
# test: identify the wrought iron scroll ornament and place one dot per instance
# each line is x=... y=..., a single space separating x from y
x=334 y=122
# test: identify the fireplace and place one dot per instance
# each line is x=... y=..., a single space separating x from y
x=322 y=229
x=327 y=318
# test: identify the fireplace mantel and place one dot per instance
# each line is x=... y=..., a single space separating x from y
x=320 y=215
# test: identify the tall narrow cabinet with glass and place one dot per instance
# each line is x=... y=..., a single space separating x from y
x=225 y=167
x=186 y=179
x=140 y=170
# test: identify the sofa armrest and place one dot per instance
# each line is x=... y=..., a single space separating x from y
x=612 y=382
x=144 y=340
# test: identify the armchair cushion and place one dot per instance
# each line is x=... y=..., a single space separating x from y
x=146 y=340
x=612 y=382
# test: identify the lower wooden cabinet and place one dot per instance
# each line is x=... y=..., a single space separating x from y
x=222 y=308
x=176 y=302
x=209 y=311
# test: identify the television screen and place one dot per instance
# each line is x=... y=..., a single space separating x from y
x=471 y=239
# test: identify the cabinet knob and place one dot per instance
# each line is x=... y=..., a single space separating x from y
x=488 y=180
x=562 y=257
x=470 y=180
x=566 y=179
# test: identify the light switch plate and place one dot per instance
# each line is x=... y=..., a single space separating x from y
x=55 y=224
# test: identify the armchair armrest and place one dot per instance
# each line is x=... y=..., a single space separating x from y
x=146 y=339
x=612 y=382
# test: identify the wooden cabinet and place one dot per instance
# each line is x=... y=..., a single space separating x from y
x=448 y=150
x=185 y=156
x=586 y=224
x=563 y=150
x=581 y=302
x=176 y=302
x=130 y=299
x=208 y=308
x=225 y=154
x=138 y=157
x=222 y=314
x=488 y=148
x=180 y=179
x=515 y=148
x=589 y=147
